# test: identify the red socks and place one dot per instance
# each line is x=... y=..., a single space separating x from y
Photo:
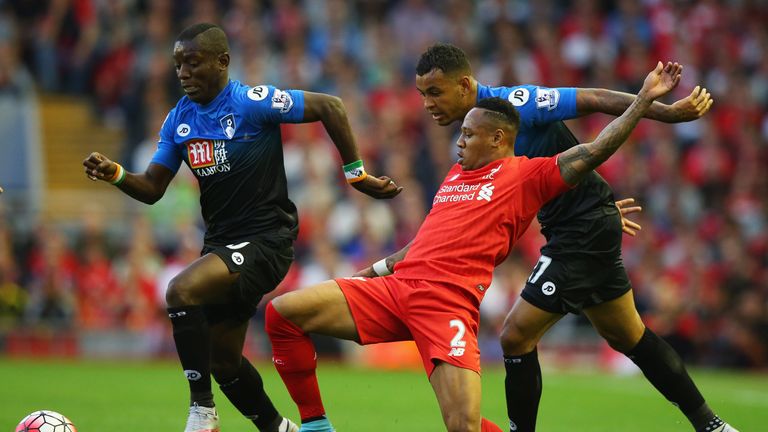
x=487 y=426
x=294 y=357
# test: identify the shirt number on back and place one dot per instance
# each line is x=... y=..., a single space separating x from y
x=457 y=343
x=544 y=262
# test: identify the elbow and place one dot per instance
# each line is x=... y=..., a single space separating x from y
x=151 y=198
x=334 y=107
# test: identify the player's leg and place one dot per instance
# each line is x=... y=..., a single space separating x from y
x=207 y=280
x=524 y=327
x=239 y=380
x=458 y=394
x=320 y=309
x=619 y=323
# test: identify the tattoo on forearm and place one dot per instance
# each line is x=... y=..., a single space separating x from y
x=576 y=162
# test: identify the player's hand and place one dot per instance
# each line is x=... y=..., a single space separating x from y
x=627 y=225
x=693 y=106
x=366 y=273
x=98 y=167
x=1 y=190
x=661 y=80
x=378 y=187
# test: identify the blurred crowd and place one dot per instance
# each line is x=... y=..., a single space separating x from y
x=699 y=266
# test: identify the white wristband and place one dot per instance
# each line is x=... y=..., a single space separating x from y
x=380 y=268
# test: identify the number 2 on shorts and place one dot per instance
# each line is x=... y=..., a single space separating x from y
x=544 y=262
x=457 y=344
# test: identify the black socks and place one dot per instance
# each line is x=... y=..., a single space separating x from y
x=523 y=389
x=192 y=337
x=246 y=392
x=663 y=368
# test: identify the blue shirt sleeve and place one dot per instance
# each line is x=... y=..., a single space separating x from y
x=541 y=105
x=268 y=104
x=167 y=153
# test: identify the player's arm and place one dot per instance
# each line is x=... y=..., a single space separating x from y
x=385 y=266
x=330 y=111
x=578 y=161
x=691 y=107
x=147 y=187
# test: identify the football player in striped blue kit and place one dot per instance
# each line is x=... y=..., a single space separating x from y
x=228 y=134
x=580 y=268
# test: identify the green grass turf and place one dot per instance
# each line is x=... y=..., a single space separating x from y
x=135 y=396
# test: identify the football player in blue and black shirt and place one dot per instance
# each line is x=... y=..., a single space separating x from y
x=228 y=134
x=580 y=268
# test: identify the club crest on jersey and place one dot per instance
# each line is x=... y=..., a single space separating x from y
x=282 y=101
x=228 y=125
x=207 y=157
x=490 y=175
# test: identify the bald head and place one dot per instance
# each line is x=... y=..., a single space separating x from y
x=208 y=37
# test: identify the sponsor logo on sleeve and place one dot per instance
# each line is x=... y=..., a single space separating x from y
x=258 y=93
x=282 y=101
x=547 y=98
x=519 y=96
x=228 y=125
x=183 y=130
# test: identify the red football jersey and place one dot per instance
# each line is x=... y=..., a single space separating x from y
x=475 y=219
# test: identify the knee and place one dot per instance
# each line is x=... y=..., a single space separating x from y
x=514 y=341
x=179 y=293
x=278 y=325
x=462 y=422
x=620 y=341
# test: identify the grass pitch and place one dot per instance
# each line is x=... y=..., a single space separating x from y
x=134 y=396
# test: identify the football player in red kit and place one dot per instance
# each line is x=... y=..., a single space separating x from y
x=486 y=202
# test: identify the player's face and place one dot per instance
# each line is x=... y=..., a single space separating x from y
x=200 y=72
x=476 y=142
x=445 y=96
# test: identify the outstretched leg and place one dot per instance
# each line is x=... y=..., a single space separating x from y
x=619 y=323
x=239 y=380
x=523 y=328
x=320 y=309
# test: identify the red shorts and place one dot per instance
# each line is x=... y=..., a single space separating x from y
x=436 y=316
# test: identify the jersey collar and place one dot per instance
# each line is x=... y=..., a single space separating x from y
x=211 y=108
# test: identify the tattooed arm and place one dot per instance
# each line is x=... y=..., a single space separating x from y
x=578 y=161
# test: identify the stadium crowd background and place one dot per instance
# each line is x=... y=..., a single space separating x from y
x=699 y=266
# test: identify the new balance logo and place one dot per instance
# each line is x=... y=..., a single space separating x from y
x=486 y=191
x=456 y=352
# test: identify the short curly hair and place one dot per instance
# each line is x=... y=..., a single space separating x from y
x=446 y=57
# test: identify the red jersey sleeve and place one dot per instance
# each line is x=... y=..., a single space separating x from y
x=541 y=181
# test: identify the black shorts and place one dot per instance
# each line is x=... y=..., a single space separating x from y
x=262 y=263
x=568 y=281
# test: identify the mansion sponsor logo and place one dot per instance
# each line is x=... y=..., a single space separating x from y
x=207 y=157
x=463 y=192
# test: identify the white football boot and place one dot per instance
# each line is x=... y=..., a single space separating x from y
x=287 y=426
x=202 y=419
